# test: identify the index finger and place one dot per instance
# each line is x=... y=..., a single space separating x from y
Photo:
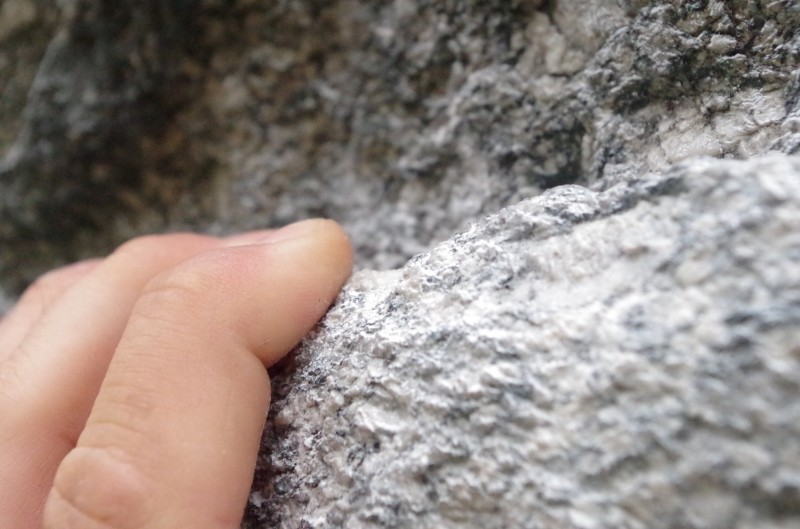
x=174 y=433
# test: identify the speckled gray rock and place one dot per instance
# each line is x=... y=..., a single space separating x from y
x=105 y=87
x=617 y=353
x=619 y=359
x=403 y=120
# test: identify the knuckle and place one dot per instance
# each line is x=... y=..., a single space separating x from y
x=147 y=246
x=127 y=425
x=185 y=287
x=43 y=288
x=49 y=285
x=164 y=299
x=97 y=488
x=139 y=247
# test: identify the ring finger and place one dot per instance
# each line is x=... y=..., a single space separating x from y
x=35 y=301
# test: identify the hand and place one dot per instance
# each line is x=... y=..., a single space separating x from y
x=133 y=389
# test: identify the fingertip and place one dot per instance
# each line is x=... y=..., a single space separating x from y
x=328 y=233
x=339 y=246
x=329 y=246
x=290 y=275
x=310 y=262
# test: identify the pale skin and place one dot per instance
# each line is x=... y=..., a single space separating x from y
x=134 y=389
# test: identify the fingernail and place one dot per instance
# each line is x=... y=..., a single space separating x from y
x=248 y=237
x=292 y=231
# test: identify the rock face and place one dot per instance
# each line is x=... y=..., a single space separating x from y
x=609 y=342
x=106 y=84
x=404 y=119
x=625 y=358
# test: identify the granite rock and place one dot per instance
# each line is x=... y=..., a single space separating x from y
x=403 y=120
x=582 y=359
x=599 y=326
x=105 y=85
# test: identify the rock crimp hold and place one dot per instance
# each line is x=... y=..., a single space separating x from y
x=625 y=358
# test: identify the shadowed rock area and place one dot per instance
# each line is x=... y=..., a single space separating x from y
x=599 y=327
x=403 y=120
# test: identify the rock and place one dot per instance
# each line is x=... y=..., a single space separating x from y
x=582 y=359
x=408 y=120
x=105 y=84
x=610 y=340
x=26 y=27
x=15 y=15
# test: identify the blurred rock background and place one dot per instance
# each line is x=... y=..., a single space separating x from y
x=403 y=120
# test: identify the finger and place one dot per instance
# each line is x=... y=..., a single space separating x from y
x=48 y=384
x=48 y=287
x=86 y=324
x=36 y=299
x=173 y=437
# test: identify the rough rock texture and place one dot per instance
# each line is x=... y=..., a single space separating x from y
x=403 y=119
x=619 y=352
x=106 y=85
x=626 y=358
x=25 y=29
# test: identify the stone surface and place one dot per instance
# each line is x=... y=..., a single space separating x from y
x=106 y=83
x=403 y=120
x=25 y=29
x=617 y=352
x=625 y=358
